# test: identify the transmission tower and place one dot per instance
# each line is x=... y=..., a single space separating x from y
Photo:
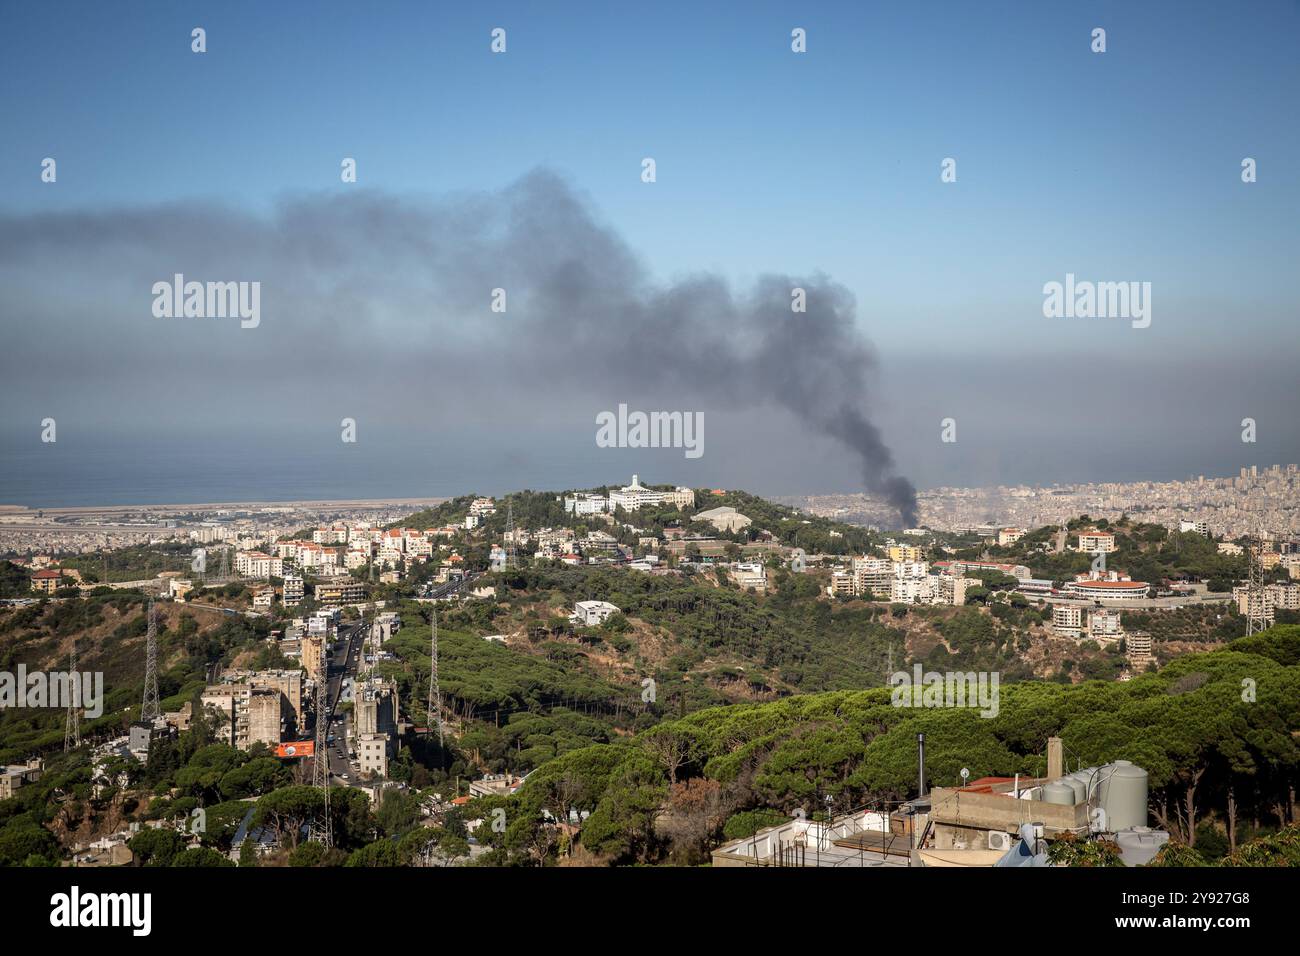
x=323 y=830
x=150 y=711
x=1256 y=609
x=72 y=724
x=435 y=694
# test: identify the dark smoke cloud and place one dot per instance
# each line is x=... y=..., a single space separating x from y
x=362 y=287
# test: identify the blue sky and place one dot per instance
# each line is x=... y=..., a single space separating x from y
x=1123 y=164
x=1116 y=166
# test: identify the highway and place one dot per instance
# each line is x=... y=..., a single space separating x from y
x=451 y=588
x=351 y=634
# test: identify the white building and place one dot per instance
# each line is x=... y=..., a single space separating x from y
x=634 y=496
x=592 y=613
x=750 y=575
x=586 y=504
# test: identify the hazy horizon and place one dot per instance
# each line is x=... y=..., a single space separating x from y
x=775 y=171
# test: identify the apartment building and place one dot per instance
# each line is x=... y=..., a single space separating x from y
x=258 y=564
x=1138 y=649
x=1092 y=542
x=1018 y=571
x=341 y=589
x=313 y=654
x=47 y=581
x=905 y=553
x=579 y=505
x=265 y=716
x=293 y=590
x=872 y=576
x=1105 y=625
x=950 y=589
x=680 y=497
x=1067 y=620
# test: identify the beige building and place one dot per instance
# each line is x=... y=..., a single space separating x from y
x=47 y=581
x=1067 y=619
x=1104 y=625
x=256 y=706
x=13 y=777
x=1138 y=649
x=231 y=702
x=313 y=655
x=1093 y=541
x=372 y=754
x=265 y=717
x=342 y=589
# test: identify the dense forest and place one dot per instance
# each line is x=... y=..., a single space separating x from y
x=1215 y=731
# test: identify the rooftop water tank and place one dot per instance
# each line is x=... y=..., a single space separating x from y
x=1058 y=792
x=1139 y=845
x=1077 y=789
x=1122 y=793
x=1087 y=780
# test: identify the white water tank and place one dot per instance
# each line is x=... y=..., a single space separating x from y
x=1059 y=792
x=1139 y=845
x=1122 y=793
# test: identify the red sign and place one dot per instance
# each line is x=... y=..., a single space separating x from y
x=296 y=748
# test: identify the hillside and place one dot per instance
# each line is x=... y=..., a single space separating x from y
x=1190 y=725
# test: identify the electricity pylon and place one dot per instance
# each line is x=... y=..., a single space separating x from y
x=150 y=710
x=323 y=829
x=72 y=724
